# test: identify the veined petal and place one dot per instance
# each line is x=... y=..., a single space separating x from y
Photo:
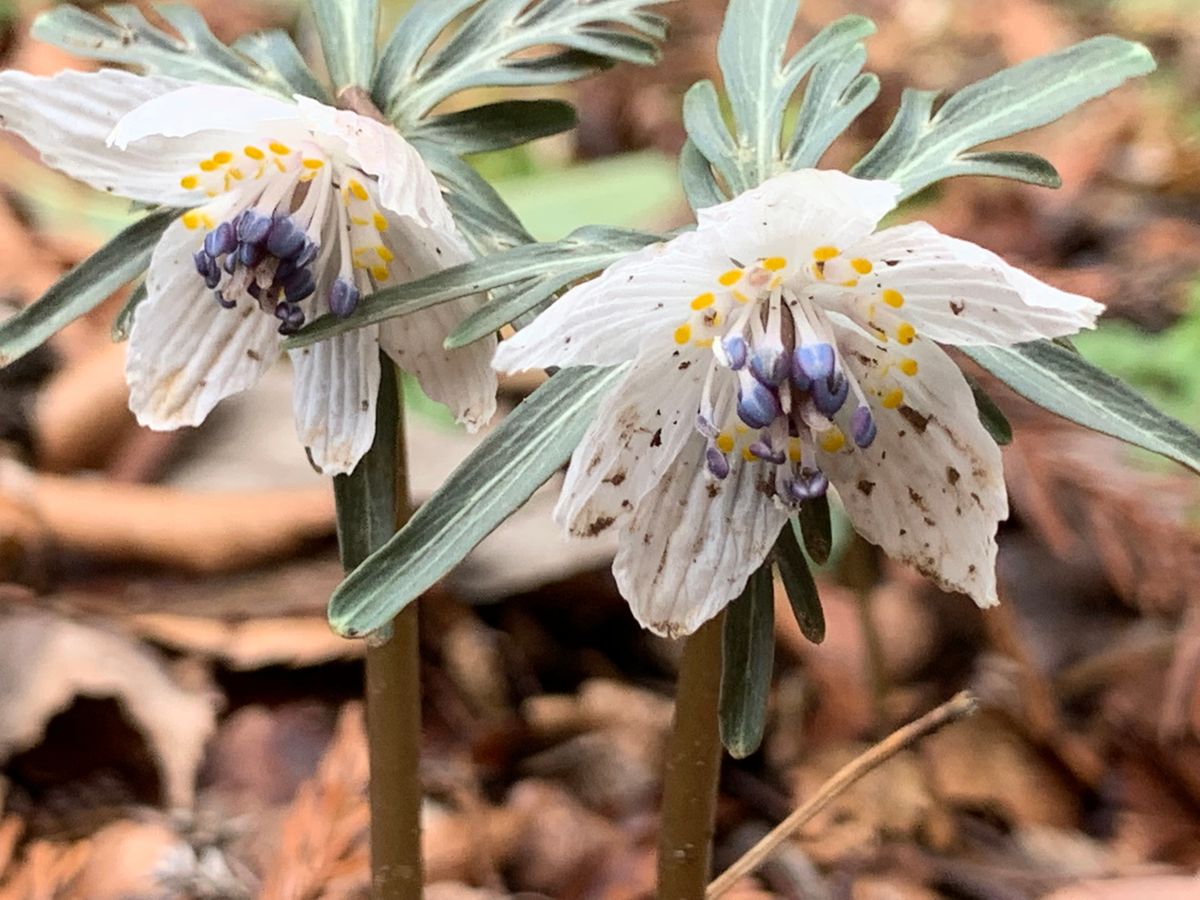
x=693 y=542
x=637 y=433
x=791 y=216
x=194 y=108
x=634 y=304
x=956 y=292
x=930 y=488
x=186 y=353
x=462 y=379
x=334 y=392
x=68 y=117
x=406 y=185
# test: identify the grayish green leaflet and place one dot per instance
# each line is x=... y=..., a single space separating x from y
x=1065 y=383
x=588 y=249
x=922 y=147
x=348 y=29
x=760 y=85
x=267 y=63
x=496 y=126
x=491 y=47
x=83 y=288
x=990 y=415
x=798 y=582
x=123 y=323
x=748 y=651
x=512 y=462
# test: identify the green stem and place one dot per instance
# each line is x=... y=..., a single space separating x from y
x=693 y=769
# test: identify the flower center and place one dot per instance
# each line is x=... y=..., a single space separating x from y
x=767 y=330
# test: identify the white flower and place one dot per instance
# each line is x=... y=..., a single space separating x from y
x=294 y=210
x=783 y=347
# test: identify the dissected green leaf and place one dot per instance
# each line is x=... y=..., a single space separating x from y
x=748 y=659
x=496 y=126
x=816 y=528
x=837 y=93
x=347 y=29
x=922 y=147
x=124 y=35
x=990 y=415
x=83 y=288
x=498 y=43
x=1065 y=383
x=275 y=52
x=798 y=582
x=500 y=311
x=496 y=479
x=586 y=249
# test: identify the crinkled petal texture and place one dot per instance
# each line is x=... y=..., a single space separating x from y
x=185 y=352
x=68 y=118
x=930 y=489
x=956 y=292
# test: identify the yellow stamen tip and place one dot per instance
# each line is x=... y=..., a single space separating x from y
x=384 y=253
x=313 y=163
x=893 y=298
x=278 y=148
x=253 y=152
x=905 y=333
x=380 y=273
x=794 y=450
x=862 y=266
x=189 y=182
x=223 y=157
x=380 y=222
x=893 y=399
x=208 y=166
x=908 y=366
x=356 y=188
x=740 y=297
x=704 y=342
x=732 y=277
x=824 y=254
x=833 y=440
x=703 y=301
x=191 y=219
x=683 y=334
x=747 y=455
x=774 y=263
x=725 y=442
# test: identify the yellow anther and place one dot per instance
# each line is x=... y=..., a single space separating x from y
x=236 y=174
x=191 y=219
x=380 y=222
x=703 y=301
x=741 y=429
x=706 y=343
x=222 y=157
x=189 y=182
x=849 y=283
x=207 y=221
x=833 y=440
x=380 y=273
x=313 y=164
x=774 y=263
x=905 y=333
x=208 y=166
x=725 y=442
x=747 y=455
x=893 y=298
x=794 y=450
x=384 y=253
x=732 y=277
x=278 y=148
x=908 y=366
x=712 y=319
x=892 y=399
x=862 y=266
x=356 y=188
x=740 y=297
x=825 y=254
x=359 y=220
x=253 y=152
x=683 y=334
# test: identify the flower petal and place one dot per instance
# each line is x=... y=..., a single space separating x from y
x=693 y=542
x=633 y=304
x=195 y=108
x=956 y=292
x=406 y=185
x=186 y=353
x=930 y=489
x=791 y=215
x=462 y=379
x=637 y=433
x=334 y=392
x=67 y=118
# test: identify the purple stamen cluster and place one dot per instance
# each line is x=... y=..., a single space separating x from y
x=253 y=250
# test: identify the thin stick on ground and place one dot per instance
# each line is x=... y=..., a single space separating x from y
x=959 y=706
x=693 y=769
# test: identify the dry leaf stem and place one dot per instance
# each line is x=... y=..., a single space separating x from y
x=693 y=769
x=957 y=707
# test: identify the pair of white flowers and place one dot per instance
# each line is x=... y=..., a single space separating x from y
x=783 y=348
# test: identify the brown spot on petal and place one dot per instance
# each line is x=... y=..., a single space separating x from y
x=615 y=480
x=914 y=418
x=866 y=487
x=952 y=475
x=602 y=524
